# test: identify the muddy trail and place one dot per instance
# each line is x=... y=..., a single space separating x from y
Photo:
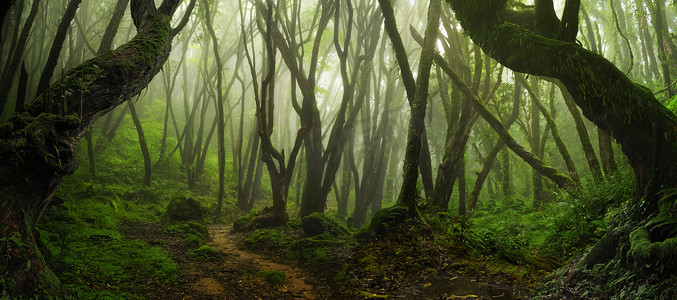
x=234 y=274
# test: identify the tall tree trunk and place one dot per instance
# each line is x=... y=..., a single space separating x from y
x=418 y=103
x=142 y=142
x=606 y=152
x=220 y=118
x=57 y=44
x=462 y=209
x=583 y=135
x=535 y=143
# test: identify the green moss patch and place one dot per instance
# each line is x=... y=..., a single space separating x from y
x=273 y=277
x=319 y=223
x=266 y=239
x=204 y=253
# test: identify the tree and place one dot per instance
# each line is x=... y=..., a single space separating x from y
x=37 y=146
x=418 y=97
x=645 y=129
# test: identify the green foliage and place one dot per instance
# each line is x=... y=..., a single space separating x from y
x=580 y=219
x=318 y=251
x=490 y=243
x=671 y=104
x=203 y=253
x=273 y=277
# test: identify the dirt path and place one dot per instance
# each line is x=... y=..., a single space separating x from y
x=300 y=281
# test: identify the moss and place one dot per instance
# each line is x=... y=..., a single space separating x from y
x=319 y=223
x=273 y=277
x=184 y=209
x=644 y=252
x=383 y=219
x=188 y=228
x=242 y=221
x=193 y=241
x=203 y=253
x=267 y=238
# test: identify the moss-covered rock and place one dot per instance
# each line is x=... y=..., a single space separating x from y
x=266 y=239
x=243 y=221
x=254 y=220
x=203 y=253
x=186 y=229
x=319 y=223
x=382 y=220
x=273 y=277
x=184 y=209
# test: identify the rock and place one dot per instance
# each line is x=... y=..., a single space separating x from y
x=318 y=223
x=184 y=209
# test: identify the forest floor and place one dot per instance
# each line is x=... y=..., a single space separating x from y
x=234 y=274
x=369 y=271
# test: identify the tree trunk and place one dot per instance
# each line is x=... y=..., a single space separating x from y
x=418 y=105
x=142 y=143
x=220 y=118
x=606 y=152
x=583 y=135
x=57 y=44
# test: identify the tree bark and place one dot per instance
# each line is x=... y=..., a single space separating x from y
x=220 y=118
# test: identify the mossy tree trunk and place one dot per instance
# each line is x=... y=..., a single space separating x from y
x=37 y=146
x=645 y=129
